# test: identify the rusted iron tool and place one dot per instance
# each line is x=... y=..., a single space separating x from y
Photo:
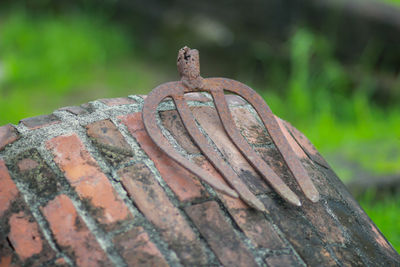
x=191 y=81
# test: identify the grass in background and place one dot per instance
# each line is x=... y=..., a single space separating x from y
x=52 y=61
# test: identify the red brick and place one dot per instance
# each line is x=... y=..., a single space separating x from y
x=27 y=164
x=324 y=223
x=153 y=202
x=172 y=122
x=252 y=223
x=348 y=256
x=235 y=100
x=137 y=249
x=8 y=190
x=249 y=127
x=306 y=145
x=83 y=173
x=184 y=184
x=208 y=119
x=61 y=262
x=300 y=233
x=8 y=134
x=40 y=121
x=110 y=142
x=76 y=110
x=118 y=101
x=219 y=234
x=5 y=260
x=199 y=97
x=282 y=260
x=24 y=236
x=71 y=233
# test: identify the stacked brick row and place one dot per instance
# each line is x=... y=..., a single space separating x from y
x=85 y=186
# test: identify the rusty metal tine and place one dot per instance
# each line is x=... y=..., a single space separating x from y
x=225 y=170
x=149 y=120
x=269 y=121
x=254 y=159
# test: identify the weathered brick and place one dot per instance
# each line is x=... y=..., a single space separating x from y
x=194 y=96
x=83 y=173
x=235 y=100
x=110 y=142
x=24 y=236
x=76 y=110
x=219 y=234
x=252 y=222
x=325 y=224
x=299 y=232
x=8 y=134
x=72 y=234
x=185 y=185
x=249 y=127
x=118 y=101
x=36 y=174
x=348 y=256
x=362 y=236
x=8 y=190
x=149 y=197
x=137 y=249
x=40 y=121
x=173 y=123
x=282 y=260
x=306 y=145
x=208 y=119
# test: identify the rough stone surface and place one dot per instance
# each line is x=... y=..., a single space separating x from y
x=8 y=134
x=88 y=187
x=40 y=121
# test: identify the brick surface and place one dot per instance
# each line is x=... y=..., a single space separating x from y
x=72 y=234
x=249 y=127
x=8 y=190
x=36 y=174
x=348 y=256
x=137 y=249
x=173 y=123
x=8 y=134
x=150 y=197
x=300 y=233
x=252 y=223
x=282 y=260
x=235 y=100
x=209 y=120
x=185 y=185
x=219 y=234
x=40 y=121
x=76 y=110
x=110 y=142
x=24 y=236
x=83 y=173
x=118 y=101
x=307 y=146
x=199 y=97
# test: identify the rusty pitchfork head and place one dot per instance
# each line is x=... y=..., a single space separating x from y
x=191 y=81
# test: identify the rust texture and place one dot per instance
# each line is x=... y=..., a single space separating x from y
x=191 y=81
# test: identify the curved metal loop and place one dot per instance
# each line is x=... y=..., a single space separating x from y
x=191 y=81
x=150 y=123
x=272 y=126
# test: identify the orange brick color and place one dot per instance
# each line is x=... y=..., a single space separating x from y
x=86 y=186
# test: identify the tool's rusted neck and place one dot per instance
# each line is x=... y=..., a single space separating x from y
x=189 y=68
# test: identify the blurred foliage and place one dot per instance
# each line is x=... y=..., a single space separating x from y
x=52 y=61
x=385 y=215
x=48 y=61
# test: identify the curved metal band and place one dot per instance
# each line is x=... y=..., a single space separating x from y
x=272 y=126
x=150 y=123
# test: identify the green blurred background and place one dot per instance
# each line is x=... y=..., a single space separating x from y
x=330 y=68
